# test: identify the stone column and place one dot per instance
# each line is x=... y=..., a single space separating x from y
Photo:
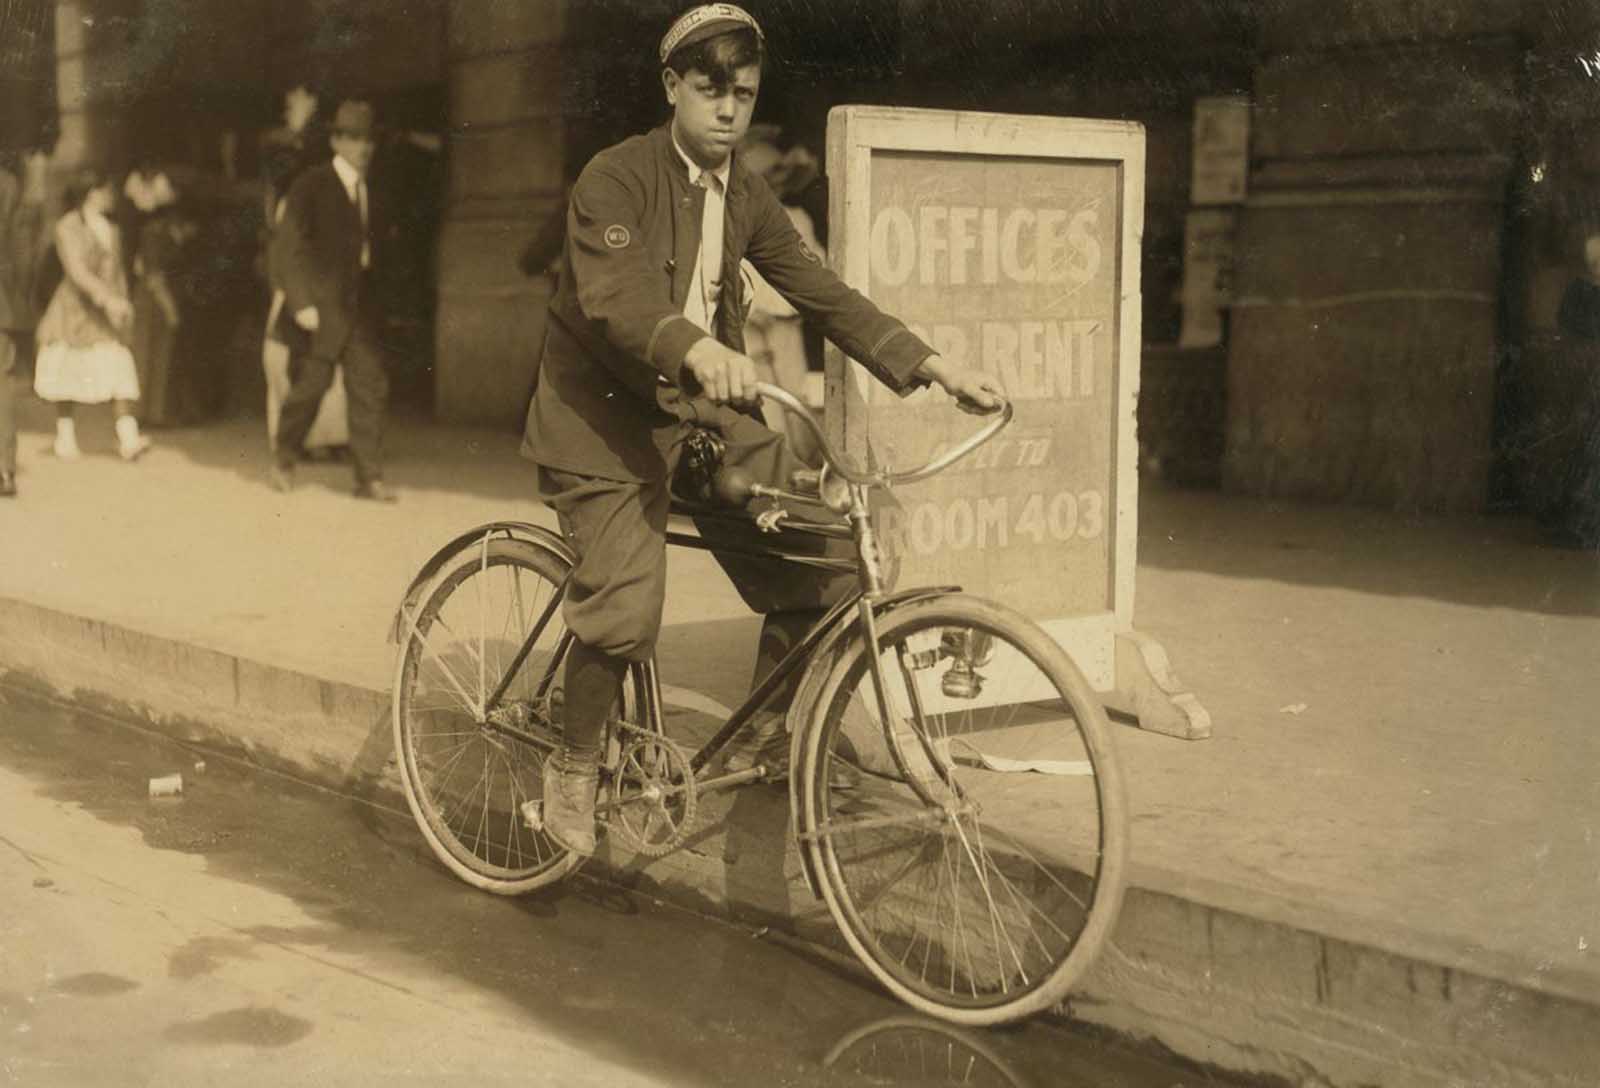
x=94 y=74
x=27 y=79
x=506 y=169
x=1364 y=336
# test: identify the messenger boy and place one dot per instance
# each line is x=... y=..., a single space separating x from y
x=648 y=310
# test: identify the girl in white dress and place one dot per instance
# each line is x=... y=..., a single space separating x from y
x=83 y=353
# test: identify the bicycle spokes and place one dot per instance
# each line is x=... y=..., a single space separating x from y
x=477 y=712
x=966 y=867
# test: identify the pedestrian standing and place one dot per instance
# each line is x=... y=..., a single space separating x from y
x=21 y=235
x=163 y=235
x=83 y=350
x=328 y=257
x=1576 y=519
x=144 y=187
x=286 y=152
x=290 y=148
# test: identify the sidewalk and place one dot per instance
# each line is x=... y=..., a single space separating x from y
x=1384 y=860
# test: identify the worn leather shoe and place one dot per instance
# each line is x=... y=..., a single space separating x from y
x=375 y=491
x=569 y=798
x=8 y=485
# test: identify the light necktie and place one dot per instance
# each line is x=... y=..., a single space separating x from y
x=710 y=262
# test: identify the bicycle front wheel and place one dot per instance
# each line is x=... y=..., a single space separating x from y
x=978 y=868
x=477 y=709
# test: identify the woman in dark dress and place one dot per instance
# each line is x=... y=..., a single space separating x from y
x=156 y=313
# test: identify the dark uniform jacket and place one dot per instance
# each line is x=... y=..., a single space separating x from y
x=317 y=252
x=616 y=323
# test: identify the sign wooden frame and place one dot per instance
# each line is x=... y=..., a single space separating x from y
x=1126 y=666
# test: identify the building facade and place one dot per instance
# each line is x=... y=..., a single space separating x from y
x=1416 y=175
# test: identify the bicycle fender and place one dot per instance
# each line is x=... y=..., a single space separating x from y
x=804 y=716
x=525 y=531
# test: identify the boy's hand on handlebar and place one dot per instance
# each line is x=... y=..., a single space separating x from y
x=975 y=391
x=722 y=374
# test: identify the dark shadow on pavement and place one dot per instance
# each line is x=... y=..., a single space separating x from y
x=1487 y=561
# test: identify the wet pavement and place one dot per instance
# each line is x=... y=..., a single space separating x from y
x=266 y=932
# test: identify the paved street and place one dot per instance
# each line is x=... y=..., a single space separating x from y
x=1316 y=636
x=256 y=931
x=1402 y=709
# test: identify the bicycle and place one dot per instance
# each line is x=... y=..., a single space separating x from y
x=951 y=710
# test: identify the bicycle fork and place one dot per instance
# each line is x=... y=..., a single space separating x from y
x=928 y=769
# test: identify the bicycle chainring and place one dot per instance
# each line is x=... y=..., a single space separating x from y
x=653 y=793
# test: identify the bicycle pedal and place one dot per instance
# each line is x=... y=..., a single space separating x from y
x=533 y=815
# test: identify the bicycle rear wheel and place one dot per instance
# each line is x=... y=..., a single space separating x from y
x=978 y=869
x=468 y=766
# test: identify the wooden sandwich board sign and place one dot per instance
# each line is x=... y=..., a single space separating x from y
x=1010 y=243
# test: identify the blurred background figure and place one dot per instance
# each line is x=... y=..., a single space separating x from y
x=330 y=243
x=158 y=265
x=146 y=187
x=291 y=147
x=1575 y=520
x=286 y=152
x=775 y=335
x=83 y=356
x=22 y=236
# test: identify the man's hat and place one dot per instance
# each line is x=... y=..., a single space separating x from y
x=354 y=118
x=706 y=21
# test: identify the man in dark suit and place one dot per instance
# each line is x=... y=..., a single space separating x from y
x=22 y=237
x=327 y=251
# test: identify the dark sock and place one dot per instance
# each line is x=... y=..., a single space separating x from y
x=593 y=682
x=780 y=633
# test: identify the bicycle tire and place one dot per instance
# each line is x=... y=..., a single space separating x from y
x=515 y=581
x=1011 y=938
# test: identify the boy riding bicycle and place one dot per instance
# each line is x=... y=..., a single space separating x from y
x=650 y=303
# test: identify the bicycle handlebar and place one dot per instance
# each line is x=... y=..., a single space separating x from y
x=883 y=477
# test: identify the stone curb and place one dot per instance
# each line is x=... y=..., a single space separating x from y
x=1205 y=972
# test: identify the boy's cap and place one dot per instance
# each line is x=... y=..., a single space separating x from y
x=706 y=21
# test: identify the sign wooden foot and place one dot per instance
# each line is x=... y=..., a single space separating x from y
x=1148 y=690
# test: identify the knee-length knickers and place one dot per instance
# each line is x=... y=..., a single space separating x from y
x=618 y=530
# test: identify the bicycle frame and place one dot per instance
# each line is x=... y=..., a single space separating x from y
x=862 y=600
x=866 y=600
